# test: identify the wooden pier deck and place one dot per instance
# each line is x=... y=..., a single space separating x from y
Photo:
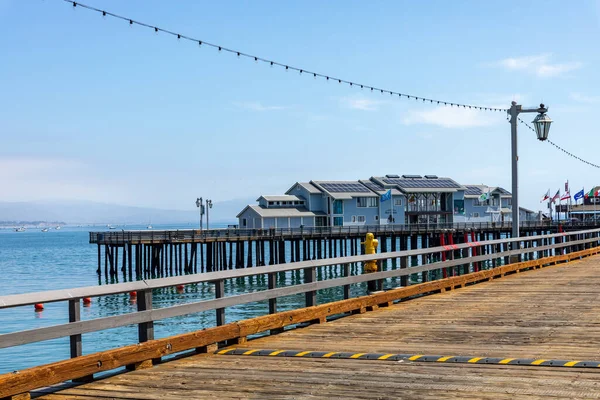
x=550 y=313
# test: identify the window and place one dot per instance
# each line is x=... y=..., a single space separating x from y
x=509 y=202
x=244 y=222
x=397 y=202
x=338 y=207
x=476 y=215
x=338 y=221
x=366 y=202
x=361 y=218
x=271 y=203
x=377 y=218
x=354 y=218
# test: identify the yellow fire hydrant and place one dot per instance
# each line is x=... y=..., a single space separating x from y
x=370 y=244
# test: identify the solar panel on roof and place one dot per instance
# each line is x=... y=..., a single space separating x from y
x=423 y=183
x=473 y=191
x=345 y=187
x=373 y=186
x=431 y=177
x=392 y=176
x=412 y=176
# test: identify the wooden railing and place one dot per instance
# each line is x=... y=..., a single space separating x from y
x=158 y=236
x=533 y=251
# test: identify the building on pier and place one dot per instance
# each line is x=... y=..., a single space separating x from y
x=414 y=199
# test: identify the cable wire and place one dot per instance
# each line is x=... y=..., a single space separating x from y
x=315 y=75
x=560 y=148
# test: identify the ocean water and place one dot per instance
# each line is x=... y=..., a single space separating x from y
x=33 y=261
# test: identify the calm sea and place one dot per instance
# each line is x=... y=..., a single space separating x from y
x=33 y=261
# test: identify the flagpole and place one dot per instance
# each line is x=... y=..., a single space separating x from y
x=391 y=206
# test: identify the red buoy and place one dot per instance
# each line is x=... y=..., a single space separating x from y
x=87 y=301
x=133 y=294
x=39 y=307
x=180 y=287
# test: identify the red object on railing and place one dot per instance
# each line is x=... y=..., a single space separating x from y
x=39 y=307
x=87 y=301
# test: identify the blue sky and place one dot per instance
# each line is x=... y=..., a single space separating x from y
x=93 y=109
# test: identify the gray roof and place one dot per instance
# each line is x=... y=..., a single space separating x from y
x=377 y=188
x=282 y=212
x=287 y=197
x=310 y=188
x=417 y=184
x=474 y=191
x=344 y=189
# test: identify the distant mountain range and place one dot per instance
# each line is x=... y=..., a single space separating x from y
x=85 y=212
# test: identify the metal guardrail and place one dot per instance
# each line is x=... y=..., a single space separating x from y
x=235 y=233
x=145 y=316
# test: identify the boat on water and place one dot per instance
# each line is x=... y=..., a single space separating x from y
x=45 y=230
x=57 y=227
x=149 y=227
x=20 y=229
x=111 y=227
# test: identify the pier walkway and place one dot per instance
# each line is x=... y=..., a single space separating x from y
x=535 y=317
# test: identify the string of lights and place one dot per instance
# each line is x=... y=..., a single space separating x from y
x=287 y=67
x=560 y=148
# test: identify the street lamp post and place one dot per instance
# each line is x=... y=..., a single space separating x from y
x=201 y=208
x=208 y=206
x=542 y=127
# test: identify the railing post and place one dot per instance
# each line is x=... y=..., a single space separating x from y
x=144 y=303
x=309 y=277
x=145 y=329
x=220 y=292
x=75 y=340
x=404 y=265
x=272 y=285
x=272 y=279
x=346 y=287
x=74 y=316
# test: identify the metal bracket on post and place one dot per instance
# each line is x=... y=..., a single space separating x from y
x=75 y=340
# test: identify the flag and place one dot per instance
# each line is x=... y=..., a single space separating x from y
x=485 y=196
x=386 y=196
x=578 y=195
x=590 y=193
x=565 y=196
x=556 y=196
x=546 y=196
x=566 y=186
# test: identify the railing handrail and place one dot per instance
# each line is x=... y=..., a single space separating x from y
x=24 y=299
x=150 y=315
x=182 y=234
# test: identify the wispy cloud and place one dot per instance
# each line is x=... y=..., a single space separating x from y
x=582 y=98
x=257 y=106
x=539 y=65
x=449 y=117
x=361 y=103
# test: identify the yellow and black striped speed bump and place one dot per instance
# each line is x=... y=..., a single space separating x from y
x=412 y=357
